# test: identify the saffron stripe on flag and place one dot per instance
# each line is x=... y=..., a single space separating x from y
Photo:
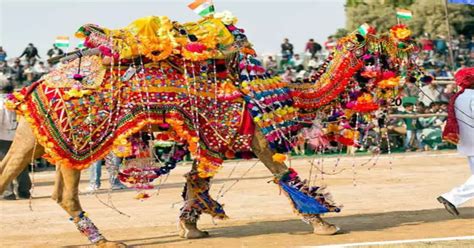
x=196 y=3
x=62 y=41
x=202 y=7
x=404 y=14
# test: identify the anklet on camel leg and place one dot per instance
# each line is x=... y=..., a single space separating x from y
x=87 y=228
x=307 y=201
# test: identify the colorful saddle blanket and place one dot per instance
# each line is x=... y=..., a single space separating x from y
x=80 y=122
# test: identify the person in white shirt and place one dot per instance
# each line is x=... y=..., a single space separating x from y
x=298 y=61
x=460 y=130
x=429 y=93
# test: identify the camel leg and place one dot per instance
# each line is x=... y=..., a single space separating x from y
x=197 y=201
x=264 y=153
x=66 y=194
x=20 y=154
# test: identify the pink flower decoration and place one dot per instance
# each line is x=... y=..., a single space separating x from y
x=389 y=74
x=78 y=77
x=196 y=47
x=105 y=51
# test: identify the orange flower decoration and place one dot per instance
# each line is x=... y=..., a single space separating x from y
x=400 y=32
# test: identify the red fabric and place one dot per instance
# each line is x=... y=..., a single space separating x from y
x=464 y=79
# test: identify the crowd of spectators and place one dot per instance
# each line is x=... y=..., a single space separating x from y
x=406 y=133
x=25 y=68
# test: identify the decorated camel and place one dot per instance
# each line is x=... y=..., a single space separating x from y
x=201 y=85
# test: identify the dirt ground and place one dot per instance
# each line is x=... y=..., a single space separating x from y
x=382 y=203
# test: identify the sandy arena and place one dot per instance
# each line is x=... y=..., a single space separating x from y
x=397 y=203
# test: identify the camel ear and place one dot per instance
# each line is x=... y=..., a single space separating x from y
x=360 y=38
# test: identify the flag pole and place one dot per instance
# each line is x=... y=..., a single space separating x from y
x=450 y=47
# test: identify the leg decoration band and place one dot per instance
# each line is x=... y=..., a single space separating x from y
x=200 y=201
x=305 y=199
x=87 y=228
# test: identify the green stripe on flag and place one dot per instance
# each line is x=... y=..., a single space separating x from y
x=207 y=11
x=61 y=44
x=404 y=16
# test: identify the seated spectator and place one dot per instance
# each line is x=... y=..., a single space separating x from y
x=410 y=89
x=314 y=63
x=16 y=71
x=298 y=62
x=271 y=63
x=431 y=132
x=29 y=73
x=41 y=69
x=430 y=93
x=289 y=75
x=55 y=51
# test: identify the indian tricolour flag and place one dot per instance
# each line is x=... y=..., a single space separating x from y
x=364 y=29
x=202 y=7
x=80 y=45
x=62 y=41
x=404 y=14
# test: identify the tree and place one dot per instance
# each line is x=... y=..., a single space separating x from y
x=377 y=14
x=340 y=32
x=428 y=16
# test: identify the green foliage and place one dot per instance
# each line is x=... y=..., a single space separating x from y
x=340 y=32
x=428 y=16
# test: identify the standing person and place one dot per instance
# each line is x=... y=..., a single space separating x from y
x=30 y=53
x=330 y=44
x=312 y=47
x=427 y=44
x=23 y=181
x=287 y=49
x=411 y=127
x=112 y=163
x=460 y=130
x=440 y=45
x=463 y=47
x=55 y=51
x=3 y=55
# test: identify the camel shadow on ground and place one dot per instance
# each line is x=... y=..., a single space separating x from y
x=350 y=223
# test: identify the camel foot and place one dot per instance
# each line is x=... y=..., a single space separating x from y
x=189 y=230
x=110 y=244
x=321 y=227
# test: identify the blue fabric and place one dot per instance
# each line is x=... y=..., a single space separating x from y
x=302 y=202
x=462 y=1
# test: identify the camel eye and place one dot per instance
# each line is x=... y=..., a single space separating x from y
x=192 y=38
